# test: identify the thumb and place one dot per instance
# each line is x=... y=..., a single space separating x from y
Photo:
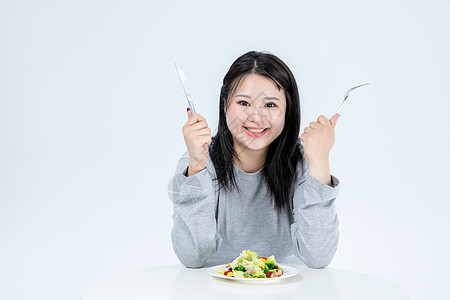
x=334 y=119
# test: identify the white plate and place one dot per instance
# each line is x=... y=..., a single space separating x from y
x=288 y=272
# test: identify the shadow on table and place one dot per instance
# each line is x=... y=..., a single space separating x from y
x=311 y=284
x=296 y=287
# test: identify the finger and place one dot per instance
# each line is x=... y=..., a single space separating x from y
x=303 y=136
x=199 y=125
x=189 y=113
x=194 y=118
x=203 y=132
x=308 y=130
x=323 y=120
x=201 y=139
x=334 y=119
x=315 y=125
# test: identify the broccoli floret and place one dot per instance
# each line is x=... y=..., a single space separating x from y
x=240 y=268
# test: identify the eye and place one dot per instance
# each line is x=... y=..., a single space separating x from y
x=244 y=103
x=270 y=104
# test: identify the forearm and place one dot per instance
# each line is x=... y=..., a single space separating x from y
x=194 y=230
x=315 y=232
x=315 y=235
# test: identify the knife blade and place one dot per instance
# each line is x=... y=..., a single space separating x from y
x=185 y=88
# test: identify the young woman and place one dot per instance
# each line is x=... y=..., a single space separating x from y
x=255 y=185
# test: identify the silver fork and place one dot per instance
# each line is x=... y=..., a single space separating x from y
x=346 y=96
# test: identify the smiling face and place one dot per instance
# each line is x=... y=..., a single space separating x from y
x=255 y=114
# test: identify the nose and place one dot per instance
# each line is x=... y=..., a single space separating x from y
x=256 y=114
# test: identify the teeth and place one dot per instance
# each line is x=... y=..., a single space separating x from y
x=256 y=130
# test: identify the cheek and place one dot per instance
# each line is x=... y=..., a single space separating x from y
x=234 y=118
x=280 y=126
x=278 y=121
x=231 y=121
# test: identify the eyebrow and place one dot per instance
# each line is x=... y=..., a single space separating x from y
x=266 y=98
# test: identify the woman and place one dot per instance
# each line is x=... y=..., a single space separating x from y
x=255 y=185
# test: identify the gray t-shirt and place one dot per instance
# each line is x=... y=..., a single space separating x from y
x=212 y=227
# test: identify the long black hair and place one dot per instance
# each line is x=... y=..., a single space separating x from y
x=283 y=156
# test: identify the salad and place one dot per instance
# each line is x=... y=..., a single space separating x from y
x=249 y=265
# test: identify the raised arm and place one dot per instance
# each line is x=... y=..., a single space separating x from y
x=315 y=232
x=194 y=236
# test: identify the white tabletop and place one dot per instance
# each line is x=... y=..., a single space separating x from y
x=179 y=282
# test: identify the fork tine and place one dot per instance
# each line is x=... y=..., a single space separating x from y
x=346 y=96
x=355 y=87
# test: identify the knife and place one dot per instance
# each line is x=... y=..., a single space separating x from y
x=186 y=91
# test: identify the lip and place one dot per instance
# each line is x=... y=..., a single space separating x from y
x=256 y=128
x=255 y=134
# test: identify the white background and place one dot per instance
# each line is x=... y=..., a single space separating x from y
x=91 y=111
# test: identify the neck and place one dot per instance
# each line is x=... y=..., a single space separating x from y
x=250 y=161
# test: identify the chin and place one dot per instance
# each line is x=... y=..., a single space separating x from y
x=256 y=146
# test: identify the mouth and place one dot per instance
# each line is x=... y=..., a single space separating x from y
x=255 y=132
